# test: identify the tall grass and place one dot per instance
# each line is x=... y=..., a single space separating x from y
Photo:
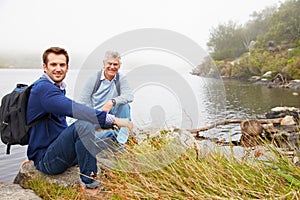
x=213 y=176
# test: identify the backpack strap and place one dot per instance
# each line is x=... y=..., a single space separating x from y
x=47 y=116
x=8 y=148
x=98 y=83
x=117 y=82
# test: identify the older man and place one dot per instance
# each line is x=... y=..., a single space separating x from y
x=109 y=90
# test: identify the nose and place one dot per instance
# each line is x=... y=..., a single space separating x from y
x=58 y=68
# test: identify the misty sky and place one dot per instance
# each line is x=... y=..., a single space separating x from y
x=81 y=26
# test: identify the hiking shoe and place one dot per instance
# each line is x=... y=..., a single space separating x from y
x=92 y=185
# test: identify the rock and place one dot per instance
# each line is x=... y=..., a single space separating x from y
x=28 y=172
x=294 y=142
x=269 y=128
x=268 y=74
x=254 y=78
x=294 y=84
x=281 y=112
x=288 y=121
x=284 y=109
x=264 y=80
x=16 y=192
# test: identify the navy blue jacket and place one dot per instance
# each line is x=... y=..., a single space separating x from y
x=46 y=98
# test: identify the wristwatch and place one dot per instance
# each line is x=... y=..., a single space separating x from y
x=113 y=101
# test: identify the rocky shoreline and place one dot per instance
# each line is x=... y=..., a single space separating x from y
x=289 y=117
x=293 y=84
x=275 y=81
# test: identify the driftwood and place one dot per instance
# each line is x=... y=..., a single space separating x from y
x=230 y=121
x=252 y=129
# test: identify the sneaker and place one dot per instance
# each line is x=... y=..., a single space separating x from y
x=92 y=185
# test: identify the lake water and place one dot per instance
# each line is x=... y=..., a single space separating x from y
x=191 y=102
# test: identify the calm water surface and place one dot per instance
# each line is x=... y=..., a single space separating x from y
x=217 y=100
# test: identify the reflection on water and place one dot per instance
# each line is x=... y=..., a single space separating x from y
x=217 y=100
x=255 y=100
x=243 y=101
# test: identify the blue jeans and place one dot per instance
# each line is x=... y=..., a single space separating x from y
x=107 y=140
x=120 y=111
x=75 y=145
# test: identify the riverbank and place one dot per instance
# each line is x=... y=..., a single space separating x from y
x=292 y=84
x=209 y=171
x=270 y=83
x=171 y=163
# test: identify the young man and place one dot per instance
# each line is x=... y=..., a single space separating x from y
x=113 y=94
x=53 y=145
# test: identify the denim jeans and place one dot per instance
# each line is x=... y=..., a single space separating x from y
x=121 y=111
x=106 y=140
x=75 y=145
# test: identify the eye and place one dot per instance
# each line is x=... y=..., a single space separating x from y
x=114 y=64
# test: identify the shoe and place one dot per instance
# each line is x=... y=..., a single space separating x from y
x=92 y=185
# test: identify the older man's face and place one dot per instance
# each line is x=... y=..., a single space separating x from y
x=111 y=67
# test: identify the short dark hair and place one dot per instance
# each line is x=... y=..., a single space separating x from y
x=55 y=50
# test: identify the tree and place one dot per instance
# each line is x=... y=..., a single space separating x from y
x=285 y=23
x=258 y=25
x=225 y=41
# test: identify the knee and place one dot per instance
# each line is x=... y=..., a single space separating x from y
x=106 y=134
x=84 y=127
x=122 y=111
x=124 y=107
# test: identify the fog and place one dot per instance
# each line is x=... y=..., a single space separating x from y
x=81 y=26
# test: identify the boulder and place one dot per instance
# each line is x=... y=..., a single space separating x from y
x=268 y=74
x=294 y=84
x=16 y=192
x=281 y=112
x=28 y=172
x=254 y=78
x=288 y=121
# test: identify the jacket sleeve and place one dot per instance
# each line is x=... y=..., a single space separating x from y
x=54 y=101
x=126 y=95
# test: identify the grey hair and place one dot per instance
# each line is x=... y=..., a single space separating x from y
x=112 y=54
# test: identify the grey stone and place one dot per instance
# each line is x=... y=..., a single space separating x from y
x=16 y=192
x=67 y=179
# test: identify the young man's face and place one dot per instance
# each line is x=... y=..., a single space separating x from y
x=111 y=67
x=56 y=68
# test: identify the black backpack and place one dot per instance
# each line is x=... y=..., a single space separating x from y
x=13 y=127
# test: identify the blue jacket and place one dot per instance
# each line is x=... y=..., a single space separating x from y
x=46 y=98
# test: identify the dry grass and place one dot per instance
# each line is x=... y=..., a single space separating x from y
x=215 y=176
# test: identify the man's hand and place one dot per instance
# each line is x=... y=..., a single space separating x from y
x=107 y=106
x=123 y=122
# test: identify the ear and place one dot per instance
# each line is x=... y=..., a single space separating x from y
x=44 y=67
